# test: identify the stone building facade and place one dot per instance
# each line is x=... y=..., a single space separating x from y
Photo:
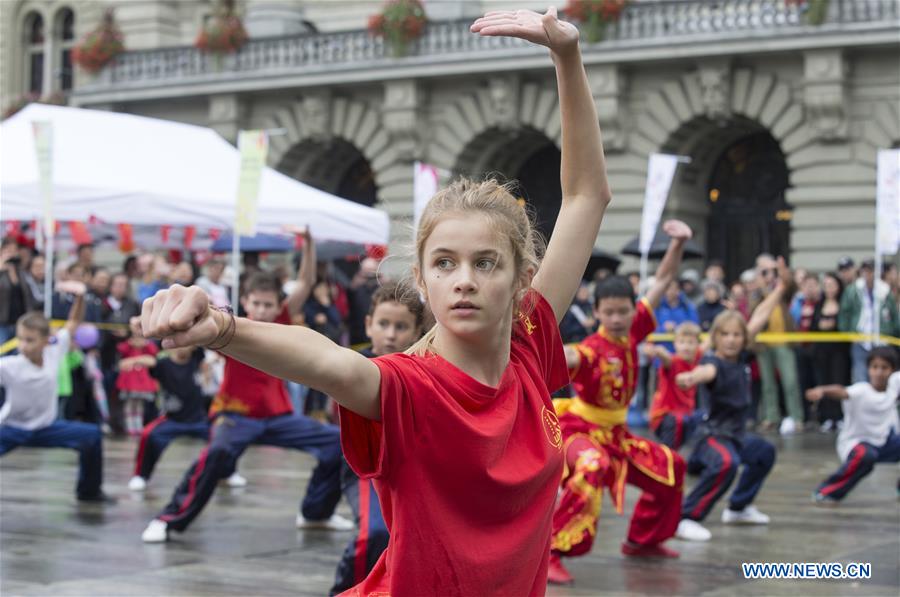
x=781 y=119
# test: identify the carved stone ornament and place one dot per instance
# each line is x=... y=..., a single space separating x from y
x=316 y=114
x=824 y=93
x=503 y=92
x=715 y=86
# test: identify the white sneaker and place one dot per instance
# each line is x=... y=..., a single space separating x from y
x=827 y=426
x=236 y=480
x=749 y=515
x=137 y=483
x=788 y=426
x=156 y=532
x=691 y=530
x=335 y=523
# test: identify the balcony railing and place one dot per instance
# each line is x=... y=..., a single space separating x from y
x=641 y=24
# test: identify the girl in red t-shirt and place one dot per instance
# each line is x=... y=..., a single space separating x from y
x=134 y=383
x=459 y=433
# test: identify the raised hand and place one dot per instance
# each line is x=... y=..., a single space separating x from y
x=545 y=30
x=181 y=316
x=677 y=230
x=784 y=272
x=73 y=287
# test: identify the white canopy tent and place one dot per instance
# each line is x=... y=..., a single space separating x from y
x=122 y=168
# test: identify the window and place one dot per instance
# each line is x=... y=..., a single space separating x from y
x=64 y=39
x=34 y=54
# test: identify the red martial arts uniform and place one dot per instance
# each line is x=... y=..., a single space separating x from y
x=602 y=452
x=466 y=474
x=669 y=398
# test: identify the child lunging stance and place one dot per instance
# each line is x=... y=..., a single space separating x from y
x=600 y=450
x=184 y=408
x=28 y=417
x=871 y=432
x=724 y=444
x=674 y=414
x=459 y=434
x=393 y=324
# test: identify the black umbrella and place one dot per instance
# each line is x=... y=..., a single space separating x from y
x=659 y=245
x=600 y=259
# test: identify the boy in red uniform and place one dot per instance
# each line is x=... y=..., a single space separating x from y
x=673 y=415
x=600 y=451
x=253 y=407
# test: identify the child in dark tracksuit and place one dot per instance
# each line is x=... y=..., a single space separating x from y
x=184 y=406
x=724 y=445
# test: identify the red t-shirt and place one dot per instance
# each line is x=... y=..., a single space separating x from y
x=606 y=375
x=466 y=474
x=250 y=392
x=669 y=398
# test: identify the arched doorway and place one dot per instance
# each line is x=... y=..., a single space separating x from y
x=334 y=166
x=748 y=213
x=527 y=157
x=733 y=191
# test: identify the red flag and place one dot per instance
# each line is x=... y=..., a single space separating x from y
x=377 y=252
x=12 y=228
x=215 y=233
x=80 y=234
x=189 y=233
x=164 y=233
x=126 y=238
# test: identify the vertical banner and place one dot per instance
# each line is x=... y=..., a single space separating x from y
x=425 y=185
x=887 y=216
x=887 y=202
x=660 y=173
x=253 y=146
x=43 y=146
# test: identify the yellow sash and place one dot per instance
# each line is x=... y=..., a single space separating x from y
x=592 y=414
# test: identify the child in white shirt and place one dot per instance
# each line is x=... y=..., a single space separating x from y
x=30 y=378
x=871 y=432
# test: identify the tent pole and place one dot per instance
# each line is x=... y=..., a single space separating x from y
x=235 y=265
x=643 y=270
x=48 y=271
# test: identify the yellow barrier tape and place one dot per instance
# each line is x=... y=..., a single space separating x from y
x=799 y=337
x=763 y=338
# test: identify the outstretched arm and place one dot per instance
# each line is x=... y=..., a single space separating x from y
x=655 y=351
x=838 y=392
x=760 y=316
x=585 y=189
x=680 y=233
x=76 y=312
x=306 y=275
x=182 y=317
x=701 y=374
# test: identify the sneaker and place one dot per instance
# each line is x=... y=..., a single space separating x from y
x=648 y=551
x=137 y=483
x=156 y=532
x=236 y=480
x=749 y=515
x=788 y=426
x=557 y=573
x=335 y=523
x=98 y=498
x=825 y=501
x=691 y=530
x=827 y=426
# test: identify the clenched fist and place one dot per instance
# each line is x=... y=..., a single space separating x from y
x=181 y=316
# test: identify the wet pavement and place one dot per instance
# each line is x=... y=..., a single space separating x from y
x=245 y=542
